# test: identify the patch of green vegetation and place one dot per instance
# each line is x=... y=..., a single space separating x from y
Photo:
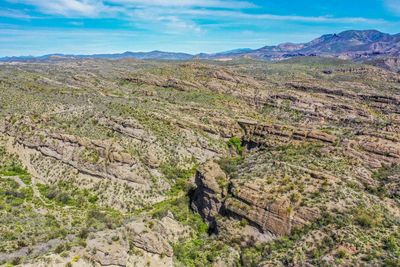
x=236 y=143
x=178 y=177
x=10 y=166
x=21 y=224
x=222 y=182
x=229 y=165
x=90 y=155
x=100 y=218
x=200 y=252
x=251 y=256
x=383 y=173
x=368 y=218
x=179 y=207
x=64 y=193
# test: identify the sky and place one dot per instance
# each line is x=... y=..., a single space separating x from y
x=38 y=27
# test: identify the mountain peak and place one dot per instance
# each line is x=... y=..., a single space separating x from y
x=365 y=36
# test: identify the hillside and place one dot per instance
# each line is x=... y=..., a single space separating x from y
x=201 y=163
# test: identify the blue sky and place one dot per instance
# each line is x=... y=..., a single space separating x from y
x=37 y=27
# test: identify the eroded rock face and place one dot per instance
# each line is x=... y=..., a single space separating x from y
x=377 y=149
x=97 y=158
x=209 y=197
x=274 y=134
x=129 y=127
x=150 y=241
x=216 y=196
x=272 y=217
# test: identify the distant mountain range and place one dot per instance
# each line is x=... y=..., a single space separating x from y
x=155 y=55
x=355 y=45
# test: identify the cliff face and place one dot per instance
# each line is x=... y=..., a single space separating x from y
x=210 y=195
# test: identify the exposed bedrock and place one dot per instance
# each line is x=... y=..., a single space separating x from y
x=220 y=200
x=273 y=134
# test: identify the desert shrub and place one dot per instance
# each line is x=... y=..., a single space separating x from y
x=236 y=143
x=392 y=244
x=367 y=218
x=229 y=165
x=199 y=252
x=244 y=222
x=341 y=253
x=251 y=256
x=178 y=177
x=64 y=193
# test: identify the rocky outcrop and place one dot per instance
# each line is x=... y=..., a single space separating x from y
x=129 y=127
x=108 y=248
x=317 y=89
x=217 y=197
x=143 y=239
x=152 y=240
x=273 y=217
x=34 y=251
x=375 y=150
x=209 y=196
x=314 y=88
x=264 y=134
x=98 y=158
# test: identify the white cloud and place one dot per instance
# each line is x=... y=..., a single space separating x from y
x=95 y=8
x=68 y=8
x=179 y=16
x=176 y=25
x=163 y=20
x=231 y=4
x=190 y=8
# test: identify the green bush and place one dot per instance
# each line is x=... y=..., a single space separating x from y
x=199 y=252
x=366 y=218
x=251 y=256
x=236 y=143
x=341 y=253
x=392 y=244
